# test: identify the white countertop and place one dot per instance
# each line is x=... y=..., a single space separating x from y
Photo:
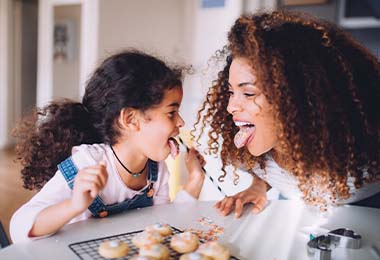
x=280 y=232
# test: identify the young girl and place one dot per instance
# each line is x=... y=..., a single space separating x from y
x=302 y=115
x=117 y=137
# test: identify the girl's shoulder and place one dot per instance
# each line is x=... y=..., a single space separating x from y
x=90 y=154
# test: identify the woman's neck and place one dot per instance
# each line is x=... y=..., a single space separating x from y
x=283 y=160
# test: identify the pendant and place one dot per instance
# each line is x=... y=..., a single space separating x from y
x=150 y=193
x=136 y=175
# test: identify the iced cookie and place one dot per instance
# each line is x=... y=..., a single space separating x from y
x=113 y=249
x=194 y=256
x=184 y=242
x=214 y=250
x=163 y=229
x=139 y=257
x=156 y=251
x=147 y=238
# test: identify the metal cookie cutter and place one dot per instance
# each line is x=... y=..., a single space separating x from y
x=347 y=238
x=321 y=247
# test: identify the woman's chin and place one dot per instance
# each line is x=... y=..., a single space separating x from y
x=257 y=151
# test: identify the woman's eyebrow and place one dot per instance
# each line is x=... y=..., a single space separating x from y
x=243 y=84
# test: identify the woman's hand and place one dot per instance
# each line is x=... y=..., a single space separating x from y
x=256 y=194
x=194 y=162
x=87 y=185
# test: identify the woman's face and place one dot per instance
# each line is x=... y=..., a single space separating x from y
x=250 y=110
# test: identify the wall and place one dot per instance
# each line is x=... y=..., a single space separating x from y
x=28 y=50
x=6 y=71
x=153 y=26
x=369 y=37
x=66 y=73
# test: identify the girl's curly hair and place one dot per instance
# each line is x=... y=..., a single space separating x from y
x=129 y=79
x=324 y=88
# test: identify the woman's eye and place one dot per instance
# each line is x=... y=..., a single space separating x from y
x=249 y=94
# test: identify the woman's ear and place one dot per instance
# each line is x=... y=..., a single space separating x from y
x=129 y=119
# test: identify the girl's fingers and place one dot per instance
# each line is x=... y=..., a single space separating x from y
x=94 y=178
x=84 y=186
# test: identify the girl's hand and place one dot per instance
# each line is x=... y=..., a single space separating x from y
x=256 y=194
x=87 y=185
x=194 y=162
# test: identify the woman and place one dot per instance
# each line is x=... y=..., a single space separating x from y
x=302 y=112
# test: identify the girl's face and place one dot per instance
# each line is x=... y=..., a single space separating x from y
x=160 y=124
x=250 y=110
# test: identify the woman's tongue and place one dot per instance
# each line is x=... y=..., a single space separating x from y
x=174 y=147
x=242 y=137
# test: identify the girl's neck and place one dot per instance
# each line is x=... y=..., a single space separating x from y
x=132 y=160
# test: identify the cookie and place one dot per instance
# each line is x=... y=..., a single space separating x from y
x=156 y=251
x=163 y=229
x=194 y=256
x=139 y=257
x=214 y=250
x=113 y=249
x=184 y=242
x=147 y=238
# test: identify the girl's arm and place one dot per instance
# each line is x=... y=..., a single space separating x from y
x=88 y=183
x=256 y=194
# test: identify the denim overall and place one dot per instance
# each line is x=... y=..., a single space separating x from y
x=98 y=208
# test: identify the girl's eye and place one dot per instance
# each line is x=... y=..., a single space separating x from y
x=249 y=94
x=172 y=113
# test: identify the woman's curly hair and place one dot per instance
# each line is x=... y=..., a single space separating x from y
x=130 y=79
x=324 y=88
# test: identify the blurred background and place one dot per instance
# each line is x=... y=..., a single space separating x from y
x=48 y=49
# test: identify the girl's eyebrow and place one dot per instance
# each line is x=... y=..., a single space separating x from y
x=243 y=84
x=174 y=104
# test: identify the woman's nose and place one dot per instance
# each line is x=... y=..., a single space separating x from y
x=233 y=105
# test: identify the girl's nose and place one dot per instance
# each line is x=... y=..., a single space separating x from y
x=180 y=121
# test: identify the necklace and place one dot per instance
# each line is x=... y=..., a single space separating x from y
x=134 y=174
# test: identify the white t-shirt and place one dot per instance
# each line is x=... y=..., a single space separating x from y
x=287 y=184
x=115 y=191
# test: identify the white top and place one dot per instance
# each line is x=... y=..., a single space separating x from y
x=287 y=184
x=115 y=191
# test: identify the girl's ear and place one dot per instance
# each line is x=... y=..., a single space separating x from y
x=129 y=119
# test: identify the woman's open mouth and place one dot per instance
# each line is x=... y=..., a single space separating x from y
x=245 y=134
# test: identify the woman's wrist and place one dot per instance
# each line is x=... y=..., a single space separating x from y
x=260 y=182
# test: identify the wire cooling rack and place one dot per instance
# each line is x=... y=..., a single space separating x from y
x=88 y=250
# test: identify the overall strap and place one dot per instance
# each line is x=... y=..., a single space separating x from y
x=69 y=171
x=153 y=171
x=145 y=199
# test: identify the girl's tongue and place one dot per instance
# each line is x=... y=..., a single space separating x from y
x=242 y=137
x=174 y=147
